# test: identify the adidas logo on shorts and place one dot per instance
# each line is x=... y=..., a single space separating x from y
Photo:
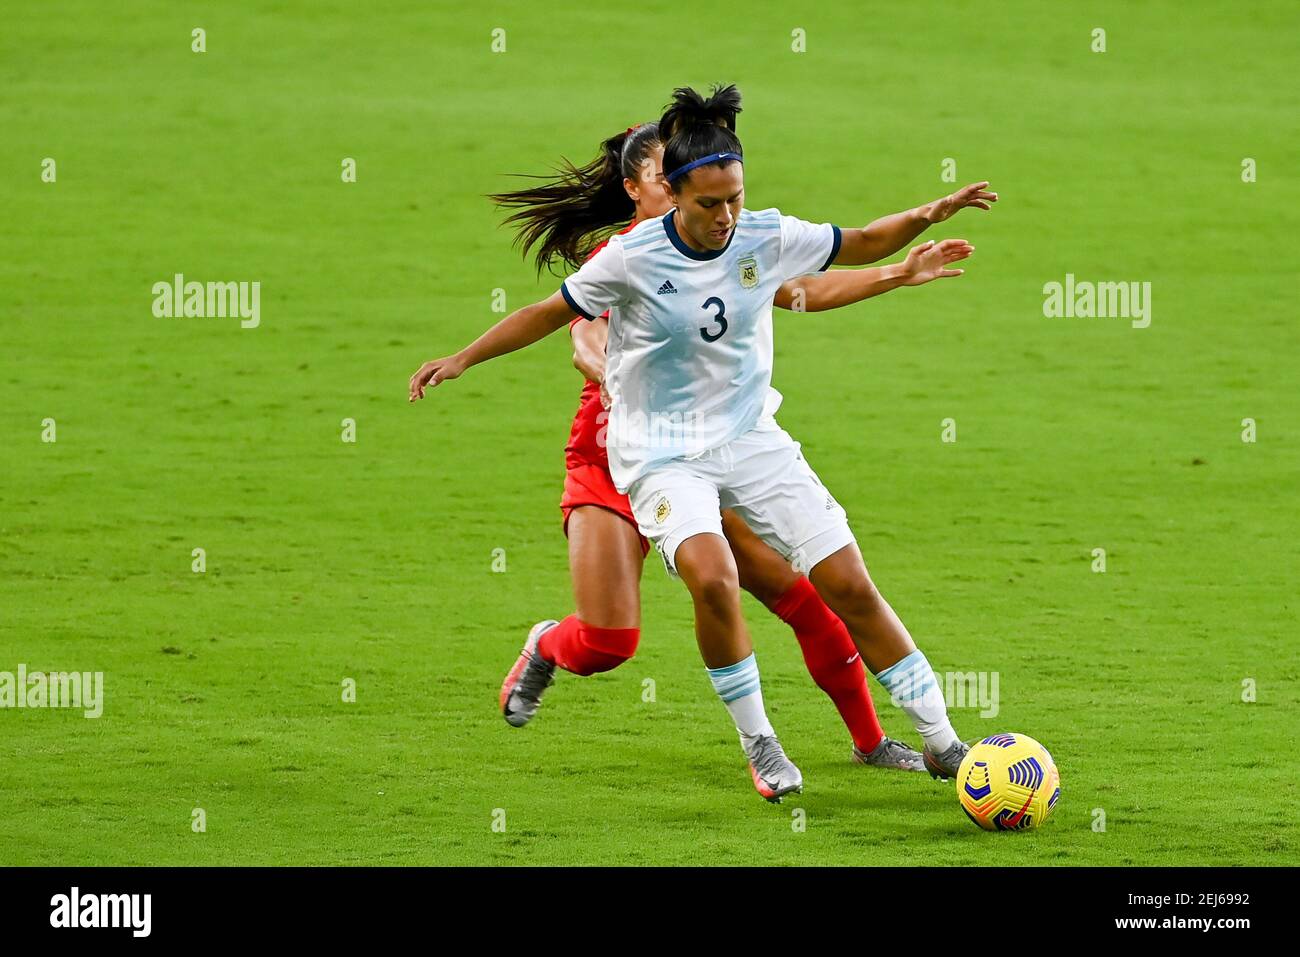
x=667 y=287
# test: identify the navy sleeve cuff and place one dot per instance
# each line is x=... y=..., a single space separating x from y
x=835 y=248
x=573 y=303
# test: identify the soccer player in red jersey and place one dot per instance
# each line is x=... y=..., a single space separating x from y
x=606 y=551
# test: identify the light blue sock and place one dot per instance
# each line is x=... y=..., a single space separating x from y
x=739 y=688
x=912 y=686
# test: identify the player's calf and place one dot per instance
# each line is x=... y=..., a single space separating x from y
x=886 y=647
x=584 y=649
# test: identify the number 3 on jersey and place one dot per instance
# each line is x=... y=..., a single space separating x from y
x=720 y=319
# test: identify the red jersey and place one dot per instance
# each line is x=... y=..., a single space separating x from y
x=587 y=437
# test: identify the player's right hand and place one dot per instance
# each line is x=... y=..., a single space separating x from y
x=433 y=372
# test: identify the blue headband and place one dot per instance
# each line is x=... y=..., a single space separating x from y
x=711 y=158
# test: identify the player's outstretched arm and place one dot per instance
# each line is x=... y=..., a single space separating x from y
x=924 y=263
x=888 y=234
x=521 y=328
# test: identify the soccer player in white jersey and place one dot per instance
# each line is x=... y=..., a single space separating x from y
x=568 y=219
x=691 y=425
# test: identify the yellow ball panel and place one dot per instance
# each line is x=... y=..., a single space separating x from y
x=1008 y=782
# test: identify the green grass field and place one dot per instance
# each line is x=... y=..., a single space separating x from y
x=373 y=560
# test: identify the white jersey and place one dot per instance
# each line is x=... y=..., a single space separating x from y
x=689 y=360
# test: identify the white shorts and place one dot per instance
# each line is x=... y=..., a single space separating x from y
x=762 y=476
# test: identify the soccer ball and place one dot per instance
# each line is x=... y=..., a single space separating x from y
x=1008 y=782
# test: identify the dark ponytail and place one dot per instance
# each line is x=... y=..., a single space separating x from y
x=567 y=215
x=693 y=127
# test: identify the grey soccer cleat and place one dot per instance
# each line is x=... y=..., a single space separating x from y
x=890 y=754
x=774 y=774
x=521 y=692
x=945 y=765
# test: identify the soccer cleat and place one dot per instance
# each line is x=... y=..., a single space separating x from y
x=945 y=765
x=890 y=754
x=521 y=692
x=774 y=774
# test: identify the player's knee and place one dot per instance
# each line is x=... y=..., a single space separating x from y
x=766 y=588
x=716 y=589
x=761 y=571
x=856 y=592
x=756 y=578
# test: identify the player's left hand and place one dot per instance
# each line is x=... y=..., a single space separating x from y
x=931 y=260
x=975 y=195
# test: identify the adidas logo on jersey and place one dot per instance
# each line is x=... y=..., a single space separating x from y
x=667 y=287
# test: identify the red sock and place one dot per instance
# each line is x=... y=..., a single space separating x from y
x=585 y=649
x=832 y=660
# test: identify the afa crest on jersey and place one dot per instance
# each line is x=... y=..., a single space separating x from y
x=748 y=265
